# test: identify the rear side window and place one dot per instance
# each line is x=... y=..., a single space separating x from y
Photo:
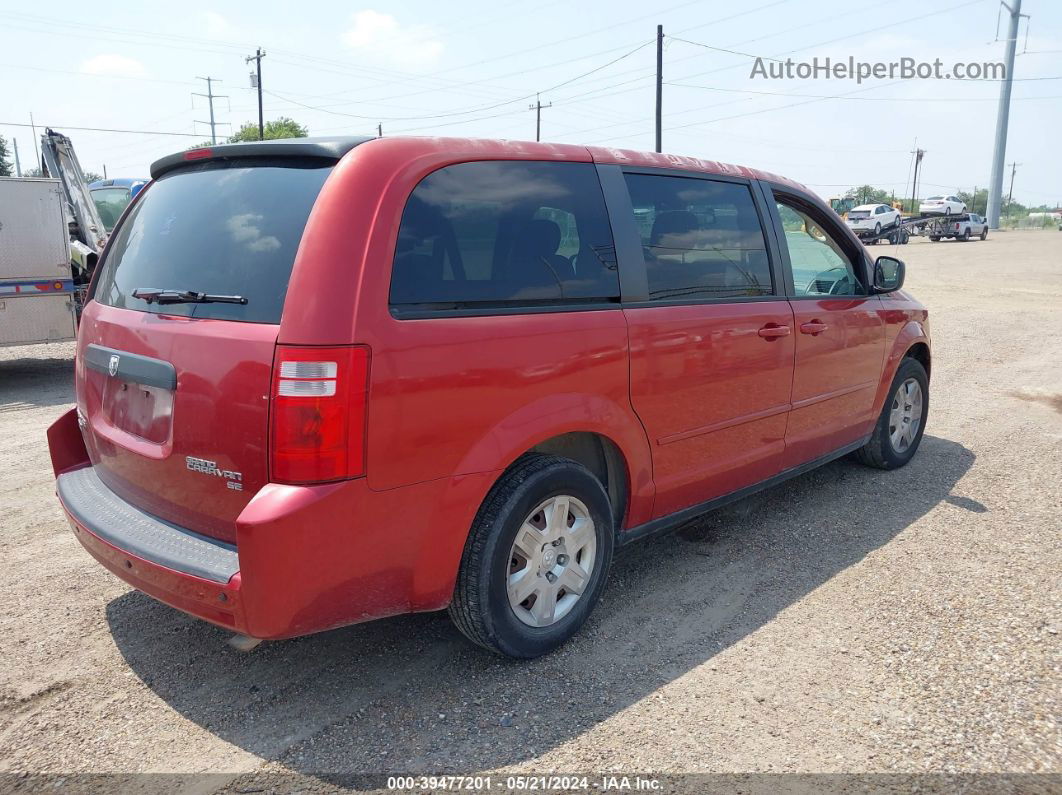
x=504 y=233
x=227 y=228
x=701 y=238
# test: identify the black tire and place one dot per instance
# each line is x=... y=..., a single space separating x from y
x=480 y=607
x=879 y=451
x=966 y=235
x=934 y=239
x=877 y=229
x=984 y=233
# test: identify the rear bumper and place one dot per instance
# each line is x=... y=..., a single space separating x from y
x=214 y=602
x=306 y=558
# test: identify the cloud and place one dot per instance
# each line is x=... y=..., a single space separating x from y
x=216 y=25
x=383 y=37
x=114 y=65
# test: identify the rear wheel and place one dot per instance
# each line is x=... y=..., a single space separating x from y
x=984 y=233
x=902 y=421
x=966 y=235
x=536 y=559
x=934 y=238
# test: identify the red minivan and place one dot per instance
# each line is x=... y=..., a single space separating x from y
x=322 y=381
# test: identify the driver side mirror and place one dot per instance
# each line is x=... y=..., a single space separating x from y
x=888 y=274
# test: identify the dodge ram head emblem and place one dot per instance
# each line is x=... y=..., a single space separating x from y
x=112 y=366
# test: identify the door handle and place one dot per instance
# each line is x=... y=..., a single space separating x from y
x=814 y=327
x=773 y=331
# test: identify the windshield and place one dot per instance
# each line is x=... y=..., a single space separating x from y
x=857 y=214
x=109 y=204
x=226 y=228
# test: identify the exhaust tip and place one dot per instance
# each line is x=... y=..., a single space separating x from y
x=243 y=642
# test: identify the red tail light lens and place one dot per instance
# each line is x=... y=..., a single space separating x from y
x=318 y=413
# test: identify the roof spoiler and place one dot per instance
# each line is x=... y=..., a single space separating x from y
x=323 y=148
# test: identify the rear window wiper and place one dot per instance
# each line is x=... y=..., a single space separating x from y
x=154 y=295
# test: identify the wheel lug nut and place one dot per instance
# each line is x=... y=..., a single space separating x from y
x=562 y=559
x=551 y=576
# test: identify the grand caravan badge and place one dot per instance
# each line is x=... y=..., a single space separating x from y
x=234 y=480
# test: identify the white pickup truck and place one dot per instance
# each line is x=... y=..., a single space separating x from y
x=961 y=227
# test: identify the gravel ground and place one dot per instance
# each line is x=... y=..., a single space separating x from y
x=850 y=620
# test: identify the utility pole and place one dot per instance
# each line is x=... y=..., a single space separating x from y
x=995 y=187
x=537 y=108
x=211 y=96
x=379 y=130
x=919 y=154
x=659 y=88
x=1010 y=196
x=256 y=82
x=105 y=171
x=36 y=151
x=18 y=166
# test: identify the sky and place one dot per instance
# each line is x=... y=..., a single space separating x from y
x=473 y=68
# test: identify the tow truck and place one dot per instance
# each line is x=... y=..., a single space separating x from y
x=51 y=236
x=932 y=226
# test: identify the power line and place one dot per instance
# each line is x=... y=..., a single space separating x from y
x=98 y=129
x=466 y=111
x=859 y=99
x=724 y=49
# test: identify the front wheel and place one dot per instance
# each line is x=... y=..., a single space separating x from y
x=536 y=558
x=902 y=421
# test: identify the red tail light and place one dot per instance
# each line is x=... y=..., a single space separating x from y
x=318 y=413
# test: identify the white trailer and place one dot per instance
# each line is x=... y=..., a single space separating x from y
x=38 y=296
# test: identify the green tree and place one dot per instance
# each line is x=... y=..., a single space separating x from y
x=32 y=172
x=5 y=163
x=91 y=176
x=278 y=128
x=868 y=194
x=975 y=202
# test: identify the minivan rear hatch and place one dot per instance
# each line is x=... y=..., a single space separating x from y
x=175 y=352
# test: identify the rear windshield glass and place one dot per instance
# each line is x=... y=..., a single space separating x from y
x=225 y=228
x=854 y=214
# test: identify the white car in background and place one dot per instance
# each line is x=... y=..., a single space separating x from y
x=872 y=218
x=942 y=205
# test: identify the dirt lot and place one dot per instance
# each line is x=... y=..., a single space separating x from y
x=850 y=620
